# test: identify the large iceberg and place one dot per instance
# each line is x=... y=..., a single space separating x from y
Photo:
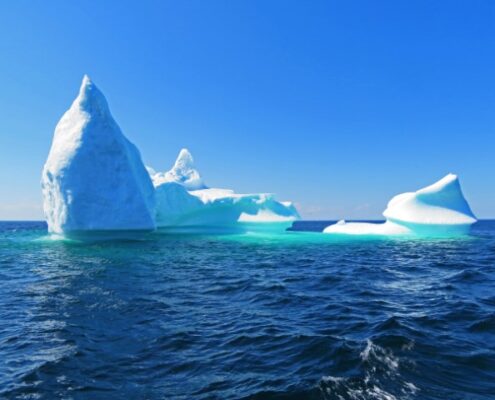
x=185 y=203
x=94 y=183
x=438 y=209
x=94 y=179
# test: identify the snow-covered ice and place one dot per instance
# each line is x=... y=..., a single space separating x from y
x=436 y=209
x=182 y=172
x=94 y=179
x=184 y=202
x=367 y=228
x=439 y=204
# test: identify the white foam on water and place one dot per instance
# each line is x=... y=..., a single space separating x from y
x=380 y=369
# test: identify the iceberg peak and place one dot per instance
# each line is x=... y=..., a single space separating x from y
x=448 y=184
x=94 y=179
x=86 y=80
x=437 y=209
x=91 y=99
x=183 y=172
x=184 y=160
x=441 y=203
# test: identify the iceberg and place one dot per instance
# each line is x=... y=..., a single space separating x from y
x=438 y=209
x=95 y=184
x=185 y=203
x=94 y=179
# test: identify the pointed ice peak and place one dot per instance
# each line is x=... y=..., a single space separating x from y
x=86 y=80
x=449 y=181
x=94 y=178
x=440 y=203
x=90 y=98
x=184 y=161
x=183 y=172
x=437 y=209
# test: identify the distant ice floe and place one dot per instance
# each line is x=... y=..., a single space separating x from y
x=438 y=209
x=185 y=203
x=95 y=184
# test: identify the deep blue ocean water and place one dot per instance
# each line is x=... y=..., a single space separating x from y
x=291 y=316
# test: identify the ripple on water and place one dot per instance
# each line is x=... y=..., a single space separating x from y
x=296 y=316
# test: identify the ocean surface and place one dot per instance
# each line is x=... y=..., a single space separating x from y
x=298 y=315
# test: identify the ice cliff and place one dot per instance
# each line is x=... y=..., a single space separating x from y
x=94 y=179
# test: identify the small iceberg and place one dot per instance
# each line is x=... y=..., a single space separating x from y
x=94 y=181
x=185 y=203
x=438 y=209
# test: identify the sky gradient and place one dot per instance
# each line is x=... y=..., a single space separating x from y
x=337 y=106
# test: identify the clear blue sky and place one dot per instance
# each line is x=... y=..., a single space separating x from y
x=334 y=105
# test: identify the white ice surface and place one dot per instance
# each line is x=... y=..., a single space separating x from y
x=436 y=209
x=179 y=206
x=182 y=172
x=94 y=179
x=366 y=228
x=439 y=204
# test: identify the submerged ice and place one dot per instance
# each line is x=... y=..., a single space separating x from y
x=436 y=209
x=94 y=179
x=184 y=202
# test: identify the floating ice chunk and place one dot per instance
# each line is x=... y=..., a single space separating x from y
x=367 y=228
x=94 y=179
x=182 y=172
x=266 y=215
x=269 y=210
x=218 y=209
x=206 y=209
x=439 y=204
x=184 y=202
x=266 y=220
x=438 y=209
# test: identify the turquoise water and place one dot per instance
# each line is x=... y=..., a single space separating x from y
x=297 y=315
